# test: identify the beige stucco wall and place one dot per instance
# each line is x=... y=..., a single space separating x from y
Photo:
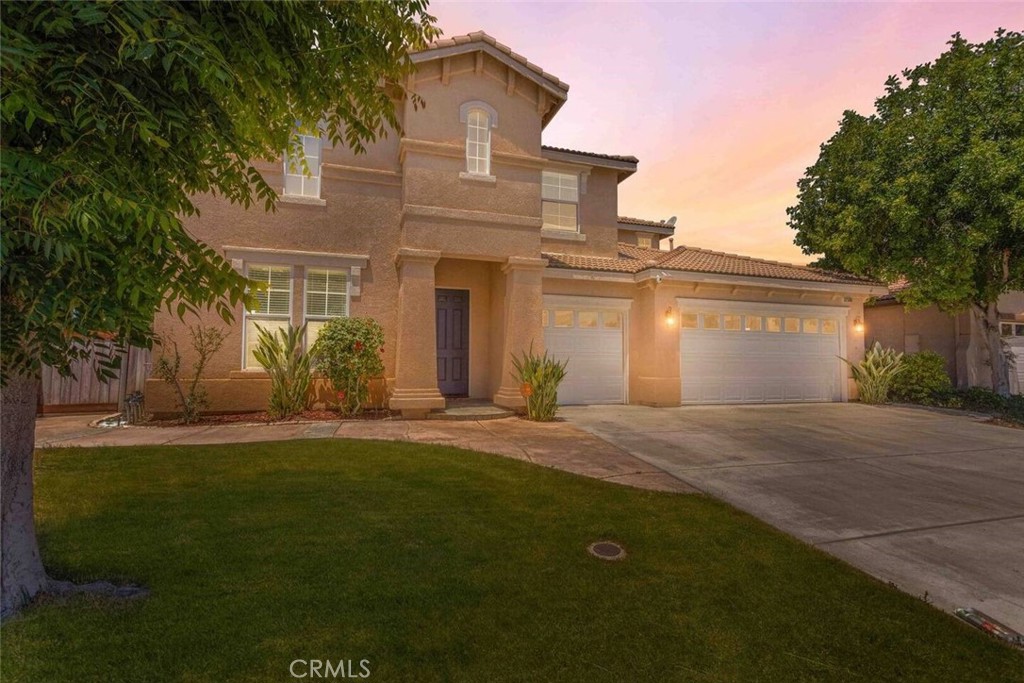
x=949 y=335
x=409 y=196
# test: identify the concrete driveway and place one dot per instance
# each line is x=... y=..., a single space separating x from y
x=929 y=501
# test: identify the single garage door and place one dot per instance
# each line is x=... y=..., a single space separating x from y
x=737 y=352
x=588 y=331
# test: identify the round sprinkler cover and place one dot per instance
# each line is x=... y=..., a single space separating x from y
x=607 y=550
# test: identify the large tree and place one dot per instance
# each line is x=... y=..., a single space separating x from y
x=115 y=114
x=929 y=190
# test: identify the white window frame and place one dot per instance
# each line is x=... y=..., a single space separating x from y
x=254 y=316
x=482 y=165
x=556 y=196
x=305 y=181
x=306 y=315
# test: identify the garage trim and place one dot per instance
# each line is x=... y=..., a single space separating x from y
x=841 y=313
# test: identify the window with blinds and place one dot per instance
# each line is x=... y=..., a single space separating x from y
x=327 y=297
x=561 y=196
x=272 y=309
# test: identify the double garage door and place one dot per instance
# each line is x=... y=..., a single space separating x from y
x=730 y=351
x=736 y=352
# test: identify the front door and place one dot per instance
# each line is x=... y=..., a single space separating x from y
x=453 y=342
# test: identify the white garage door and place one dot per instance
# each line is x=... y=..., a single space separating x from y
x=588 y=331
x=736 y=352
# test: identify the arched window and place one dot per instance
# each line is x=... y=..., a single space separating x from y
x=478 y=142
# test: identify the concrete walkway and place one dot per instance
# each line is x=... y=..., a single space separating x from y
x=558 y=445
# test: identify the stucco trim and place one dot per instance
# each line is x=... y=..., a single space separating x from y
x=686 y=276
x=409 y=255
x=588 y=275
x=559 y=90
x=524 y=263
x=296 y=258
x=563 y=235
x=469 y=216
x=466 y=107
x=445 y=149
x=583 y=301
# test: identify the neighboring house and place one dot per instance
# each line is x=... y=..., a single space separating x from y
x=470 y=241
x=949 y=335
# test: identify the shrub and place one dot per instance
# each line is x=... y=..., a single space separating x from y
x=280 y=353
x=874 y=375
x=982 y=400
x=540 y=377
x=348 y=352
x=923 y=379
x=206 y=341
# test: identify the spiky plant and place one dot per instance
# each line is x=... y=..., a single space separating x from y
x=874 y=374
x=540 y=377
x=280 y=353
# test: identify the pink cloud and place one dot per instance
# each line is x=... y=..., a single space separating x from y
x=725 y=104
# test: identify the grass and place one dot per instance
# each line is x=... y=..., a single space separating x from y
x=439 y=564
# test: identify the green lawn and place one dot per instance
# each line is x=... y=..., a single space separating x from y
x=440 y=564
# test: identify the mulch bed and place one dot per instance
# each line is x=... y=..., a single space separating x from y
x=263 y=418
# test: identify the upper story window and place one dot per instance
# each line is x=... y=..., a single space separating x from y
x=644 y=241
x=478 y=142
x=327 y=295
x=273 y=308
x=560 y=193
x=297 y=182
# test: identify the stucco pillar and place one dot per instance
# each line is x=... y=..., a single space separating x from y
x=415 y=391
x=654 y=346
x=524 y=301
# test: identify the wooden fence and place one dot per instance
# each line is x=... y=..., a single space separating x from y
x=85 y=392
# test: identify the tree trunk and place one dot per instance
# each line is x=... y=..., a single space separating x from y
x=986 y=323
x=21 y=569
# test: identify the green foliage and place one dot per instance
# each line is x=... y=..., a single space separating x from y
x=982 y=400
x=348 y=352
x=923 y=379
x=191 y=399
x=280 y=353
x=930 y=187
x=540 y=377
x=875 y=374
x=113 y=115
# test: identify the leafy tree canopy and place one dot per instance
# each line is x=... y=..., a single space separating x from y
x=929 y=188
x=115 y=113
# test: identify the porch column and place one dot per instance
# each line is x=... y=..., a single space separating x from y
x=415 y=391
x=524 y=302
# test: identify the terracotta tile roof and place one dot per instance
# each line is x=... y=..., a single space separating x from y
x=894 y=289
x=612 y=157
x=633 y=259
x=642 y=221
x=625 y=263
x=481 y=37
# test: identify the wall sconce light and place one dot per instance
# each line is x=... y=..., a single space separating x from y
x=670 y=317
x=858 y=325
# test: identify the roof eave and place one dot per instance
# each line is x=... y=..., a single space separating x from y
x=624 y=168
x=667 y=230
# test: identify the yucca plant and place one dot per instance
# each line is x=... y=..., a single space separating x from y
x=280 y=353
x=874 y=374
x=540 y=377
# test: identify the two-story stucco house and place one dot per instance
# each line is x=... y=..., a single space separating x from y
x=470 y=240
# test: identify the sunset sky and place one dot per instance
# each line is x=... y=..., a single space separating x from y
x=724 y=104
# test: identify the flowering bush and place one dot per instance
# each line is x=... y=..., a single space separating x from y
x=347 y=352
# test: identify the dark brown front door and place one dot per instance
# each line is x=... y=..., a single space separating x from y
x=453 y=342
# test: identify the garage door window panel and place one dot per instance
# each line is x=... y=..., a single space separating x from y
x=689 y=321
x=810 y=326
x=563 y=318
x=712 y=321
x=829 y=326
x=792 y=325
x=612 y=320
x=587 y=319
x=752 y=323
x=731 y=323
